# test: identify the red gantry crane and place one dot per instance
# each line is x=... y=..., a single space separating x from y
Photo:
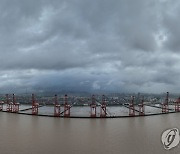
x=56 y=107
x=35 y=106
x=93 y=107
x=131 y=107
x=165 y=104
x=9 y=104
x=103 y=107
x=141 y=107
x=1 y=105
x=15 y=105
x=66 y=107
x=177 y=105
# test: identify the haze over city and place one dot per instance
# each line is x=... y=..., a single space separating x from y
x=83 y=45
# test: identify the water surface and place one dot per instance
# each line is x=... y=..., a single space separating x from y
x=25 y=134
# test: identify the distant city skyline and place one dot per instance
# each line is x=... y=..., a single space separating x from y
x=83 y=45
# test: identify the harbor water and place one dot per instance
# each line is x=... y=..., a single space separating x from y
x=26 y=134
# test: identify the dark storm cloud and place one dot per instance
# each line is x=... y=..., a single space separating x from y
x=105 y=45
x=171 y=25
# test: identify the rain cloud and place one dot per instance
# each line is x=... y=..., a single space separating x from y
x=83 y=45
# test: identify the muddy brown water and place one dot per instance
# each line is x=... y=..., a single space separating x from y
x=26 y=134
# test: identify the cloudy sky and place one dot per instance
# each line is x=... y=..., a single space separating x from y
x=102 y=45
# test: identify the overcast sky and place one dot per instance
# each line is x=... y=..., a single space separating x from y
x=106 y=45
